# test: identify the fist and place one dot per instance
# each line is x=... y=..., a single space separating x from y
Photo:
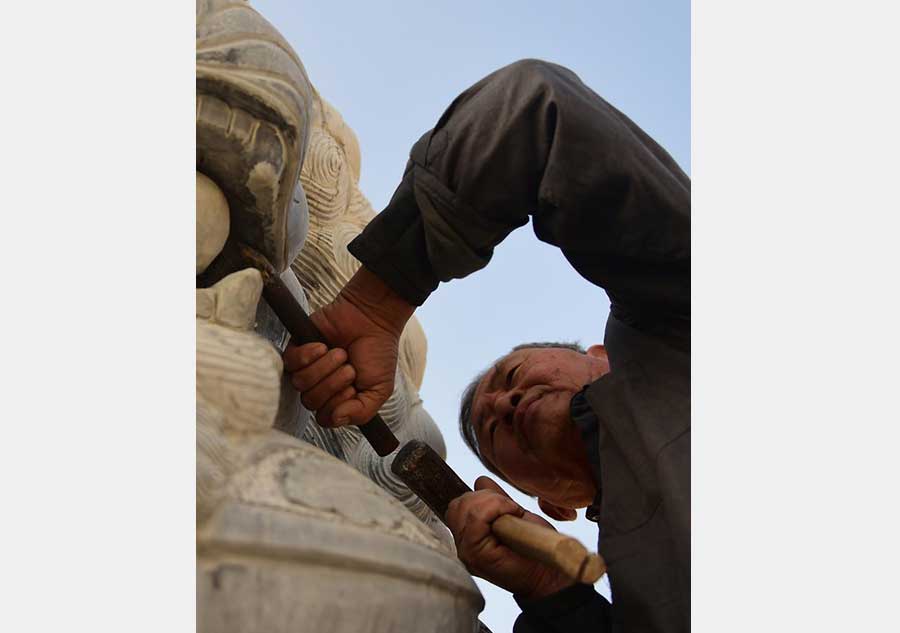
x=469 y=518
x=322 y=376
x=348 y=384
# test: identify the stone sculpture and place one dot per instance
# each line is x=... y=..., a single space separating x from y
x=338 y=212
x=285 y=531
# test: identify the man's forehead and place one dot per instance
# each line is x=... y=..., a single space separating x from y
x=491 y=374
x=494 y=369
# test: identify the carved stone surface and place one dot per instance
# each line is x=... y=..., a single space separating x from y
x=338 y=212
x=233 y=300
x=252 y=119
x=305 y=543
x=212 y=221
x=290 y=538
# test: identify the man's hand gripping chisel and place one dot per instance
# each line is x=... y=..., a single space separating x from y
x=302 y=331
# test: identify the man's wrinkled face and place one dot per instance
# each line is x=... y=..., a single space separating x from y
x=521 y=417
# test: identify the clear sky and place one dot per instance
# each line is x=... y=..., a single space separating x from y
x=391 y=68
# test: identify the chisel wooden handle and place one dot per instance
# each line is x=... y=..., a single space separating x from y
x=303 y=330
x=435 y=483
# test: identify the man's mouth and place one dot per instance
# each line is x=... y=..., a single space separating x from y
x=523 y=417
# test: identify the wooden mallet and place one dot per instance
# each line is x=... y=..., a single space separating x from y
x=427 y=475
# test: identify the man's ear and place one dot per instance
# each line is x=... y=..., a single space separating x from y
x=556 y=512
x=597 y=351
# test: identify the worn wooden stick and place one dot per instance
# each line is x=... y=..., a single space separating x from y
x=429 y=476
x=550 y=547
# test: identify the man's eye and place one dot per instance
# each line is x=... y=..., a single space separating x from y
x=509 y=375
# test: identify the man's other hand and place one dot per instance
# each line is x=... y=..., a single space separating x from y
x=348 y=383
x=470 y=516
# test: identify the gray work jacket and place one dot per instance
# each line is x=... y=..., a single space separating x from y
x=531 y=141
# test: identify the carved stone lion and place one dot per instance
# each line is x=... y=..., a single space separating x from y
x=289 y=537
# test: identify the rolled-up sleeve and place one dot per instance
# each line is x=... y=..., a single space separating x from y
x=531 y=141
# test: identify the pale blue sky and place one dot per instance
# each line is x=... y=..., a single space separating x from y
x=391 y=68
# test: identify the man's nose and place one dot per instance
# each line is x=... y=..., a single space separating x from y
x=507 y=402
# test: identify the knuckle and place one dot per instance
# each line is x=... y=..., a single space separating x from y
x=452 y=515
x=314 y=351
x=337 y=356
x=483 y=513
x=344 y=395
x=481 y=497
x=298 y=382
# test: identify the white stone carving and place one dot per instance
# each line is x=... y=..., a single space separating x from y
x=253 y=97
x=286 y=532
x=338 y=212
x=233 y=300
x=212 y=221
x=289 y=538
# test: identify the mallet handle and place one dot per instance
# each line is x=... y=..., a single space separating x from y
x=541 y=543
x=422 y=469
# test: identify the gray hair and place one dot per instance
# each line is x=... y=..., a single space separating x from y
x=467 y=430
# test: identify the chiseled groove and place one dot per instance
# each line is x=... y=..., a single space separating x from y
x=214 y=42
x=271 y=553
x=276 y=101
x=224 y=374
x=228 y=7
x=327 y=205
x=249 y=345
x=248 y=141
x=305 y=268
x=251 y=72
x=250 y=351
x=316 y=188
x=325 y=295
x=222 y=361
x=229 y=129
x=262 y=401
x=324 y=210
x=251 y=414
x=331 y=190
x=336 y=217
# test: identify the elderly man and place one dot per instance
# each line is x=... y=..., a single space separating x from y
x=607 y=429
